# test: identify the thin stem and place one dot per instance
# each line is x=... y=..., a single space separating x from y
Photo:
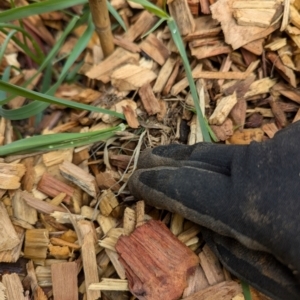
x=101 y=20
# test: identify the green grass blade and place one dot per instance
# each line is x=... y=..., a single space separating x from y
x=55 y=49
x=180 y=46
x=246 y=291
x=152 y=8
x=73 y=76
x=116 y=15
x=46 y=84
x=36 y=107
x=58 y=141
x=38 y=57
x=13 y=89
x=5 y=43
x=5 y=77
x=77 y=50
x=37 y=8
x=154 y=27
x=31 y=109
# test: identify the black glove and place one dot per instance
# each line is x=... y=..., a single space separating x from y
x=248 y=193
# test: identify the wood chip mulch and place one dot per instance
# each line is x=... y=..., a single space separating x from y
x=62 y=213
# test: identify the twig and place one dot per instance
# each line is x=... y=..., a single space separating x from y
x=102 y=23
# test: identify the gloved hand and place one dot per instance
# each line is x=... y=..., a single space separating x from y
x=246 y=196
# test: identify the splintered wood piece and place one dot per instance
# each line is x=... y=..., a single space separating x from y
x=12 y=169
x=129 y=220
x=105 y=68
x=261 y=17
x=297 y=116
x=269 y=129
x=79 y=177
x=126 y=44
x=265 y=112
x=110 y=284
x=89 y=212
x=57 y=200
x=260 y=86
x=205 y=7
x=285 y=54
x=248 y=56
x=196 y=282
x=149 y=101
x=111 y=238
x=40 y=205
x=9 y=181
x=254 y=4
x=38 y=293
x=211 y=266
x=43 y=275
x=276 y=44
x=13 y=254
x=151 y=250
x=223 y=109
x=181 y=13
x=52 y=187
x=237 y=35
x=29 y=176
x=279 y=114
x=241 y=87
x=155 y=49
x=129 y=112
x=205 y=27
x=60 y=242
x=144 y=23
x=120 y=160
x=22 y=210
x=225 y=290
x=176 y=226
x=172 y=79
x=198 y=73
x=238 y=113
x=36 y=244
x=13 y=285
x=57 y=157
x=183 y=83
x=33 y=78
x=9 y=238
x=87 y=237
x=287 y=73
x=65 y=217
x=294 y=16
x=140 y=213
x=246 y=136
x=109 y=204
x=106 y=223
x=131 y=77
x=195 y=135
x=205 y=51
x=163 y=75
x=189 y=233
x=210 y=41
x=79 y=157
x=114 y=258
x=194 y=7
x=224 y=131
x=105 y=180
x=287 y=91
x=255 y=47
x=64 y=280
